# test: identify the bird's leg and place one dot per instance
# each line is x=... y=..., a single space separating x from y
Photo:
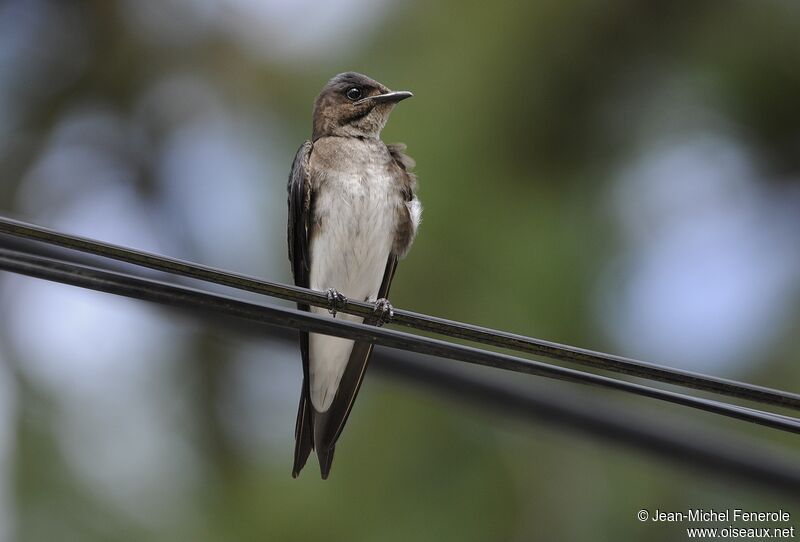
x=384 y=311
x=336 y=301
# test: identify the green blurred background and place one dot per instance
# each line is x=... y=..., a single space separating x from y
x=618 y=175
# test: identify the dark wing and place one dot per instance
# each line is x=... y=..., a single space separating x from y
x=299 y=189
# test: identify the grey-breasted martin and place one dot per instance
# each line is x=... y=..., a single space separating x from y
x=353 y=213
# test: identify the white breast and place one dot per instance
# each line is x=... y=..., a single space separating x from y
x=349 y=251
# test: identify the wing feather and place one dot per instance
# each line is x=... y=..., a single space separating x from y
x=409 y=216
x=299 y=190
x=299 y=219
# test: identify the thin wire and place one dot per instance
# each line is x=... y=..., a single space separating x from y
x=709 y=451
x=449 y=328
x=189 y=298
x=704 y=450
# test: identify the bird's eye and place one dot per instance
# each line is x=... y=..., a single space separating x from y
x=353 y=93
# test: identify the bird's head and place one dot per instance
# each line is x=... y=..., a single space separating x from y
x=353 y=105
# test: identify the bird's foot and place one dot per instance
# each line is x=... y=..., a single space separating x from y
x=384 y=311
x=336 y=301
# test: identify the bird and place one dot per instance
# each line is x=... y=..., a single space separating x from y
x=353 y=213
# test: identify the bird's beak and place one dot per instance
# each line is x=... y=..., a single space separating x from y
x=389 y=97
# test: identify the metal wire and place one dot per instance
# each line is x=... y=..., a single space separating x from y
x=707 y=451
x=189 y=298
x=734 y=459
x=449 y=328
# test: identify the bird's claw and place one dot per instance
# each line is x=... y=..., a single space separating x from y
x=384 y=311
x=336 y=301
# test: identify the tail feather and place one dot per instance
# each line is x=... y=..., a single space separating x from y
x=307 y=419
x=303 y=433
x=325 y=461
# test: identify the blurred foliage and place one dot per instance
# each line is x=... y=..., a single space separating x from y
x=525 y=113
